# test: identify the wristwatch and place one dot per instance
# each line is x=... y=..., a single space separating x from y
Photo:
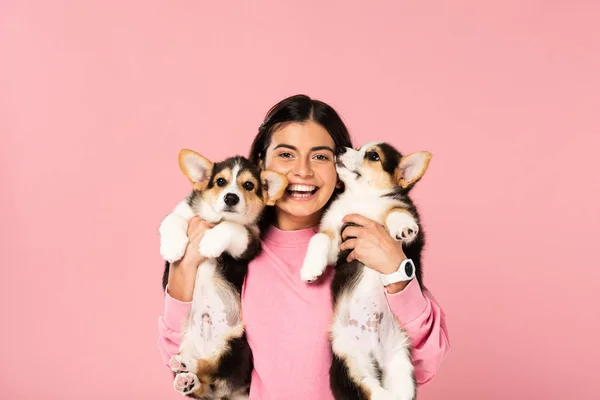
x=405 y=272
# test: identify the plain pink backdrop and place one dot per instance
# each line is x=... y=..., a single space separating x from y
x=97 y=98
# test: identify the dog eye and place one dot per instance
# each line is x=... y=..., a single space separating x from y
x=221 y=182
x=373 y=156
x=248 y=186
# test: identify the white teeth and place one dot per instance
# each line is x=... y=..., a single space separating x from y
x=301 y=188
x=299 y=194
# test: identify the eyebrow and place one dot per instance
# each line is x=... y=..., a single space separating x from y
x=316 y=148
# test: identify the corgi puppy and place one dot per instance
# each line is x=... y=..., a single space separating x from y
x=214 y=359
x=371 y=353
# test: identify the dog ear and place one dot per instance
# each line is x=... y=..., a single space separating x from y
x=273 y=185
x=412 y=167
x=197 y=168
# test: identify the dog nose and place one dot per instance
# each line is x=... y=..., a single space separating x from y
x=342 y=150
x=231 y=199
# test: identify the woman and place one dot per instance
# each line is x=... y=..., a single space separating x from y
x=287 y=319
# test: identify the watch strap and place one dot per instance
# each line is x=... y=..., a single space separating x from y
x=405 y=272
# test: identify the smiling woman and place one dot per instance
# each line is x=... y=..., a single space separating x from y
x=304 y=152
x=298 y=138
x=287 y=320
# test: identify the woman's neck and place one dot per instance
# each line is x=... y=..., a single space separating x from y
x=287 y=222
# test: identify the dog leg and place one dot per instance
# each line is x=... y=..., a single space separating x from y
x=401 y=225
x=334 y=249
x=359 y=369
x=185 y=368
x=398 y=375
x=173 y=232
x=225 y=236
x=317 y=254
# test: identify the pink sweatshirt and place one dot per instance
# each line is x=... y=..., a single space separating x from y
x=287 y=322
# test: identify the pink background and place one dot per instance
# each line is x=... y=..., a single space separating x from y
x=96 y=99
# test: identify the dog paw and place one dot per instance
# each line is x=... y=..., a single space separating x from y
x=173 y=238
x=213 y=243
x=173 y=249
x=186 y=383
x=177 y=364
x=312 y=269
x=407 y=233
x=402 y=227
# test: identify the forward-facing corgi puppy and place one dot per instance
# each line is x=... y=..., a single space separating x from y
x=215 y=360
x=371 y=353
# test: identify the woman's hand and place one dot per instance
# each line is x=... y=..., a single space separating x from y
x=372 y=245
x=182 y=274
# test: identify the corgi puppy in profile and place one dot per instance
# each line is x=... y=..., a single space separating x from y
x=371 y=353
x=214 y=359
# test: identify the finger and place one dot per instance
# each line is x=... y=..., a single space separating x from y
x=207 y=225
x=358 y=220
x=349 y=244
x=193 y=225
x=197 y=227
x=351 y=257
x=352 y=231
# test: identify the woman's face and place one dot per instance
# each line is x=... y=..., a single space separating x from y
x=304 y=152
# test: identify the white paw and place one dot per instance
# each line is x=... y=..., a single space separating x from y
x=407 y=233
x=402 y=227
x=313 y=267
x=186 y=383
x=178 y=364
x=173 y=238
x=214 y=243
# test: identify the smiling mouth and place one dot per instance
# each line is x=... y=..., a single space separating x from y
x=301 y=191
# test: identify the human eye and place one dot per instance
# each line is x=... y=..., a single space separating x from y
x=285 y=154
x=322 y=157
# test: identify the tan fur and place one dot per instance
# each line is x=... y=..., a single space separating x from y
x=398 y=208
x=329 y=233
x=204 y=374
x=380 y=179
x=213 y=193
x=207 y=368
x=273 y=199
x=255 y=204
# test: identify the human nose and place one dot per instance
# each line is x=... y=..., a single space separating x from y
x=303 y=169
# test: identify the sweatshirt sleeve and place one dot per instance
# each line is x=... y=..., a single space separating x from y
x=170 y=325
x=425 y=322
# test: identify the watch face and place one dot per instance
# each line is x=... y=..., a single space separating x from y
x=409 y=269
